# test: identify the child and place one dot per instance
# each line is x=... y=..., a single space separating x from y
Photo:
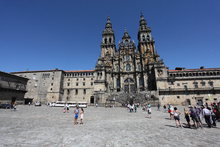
x=81 y=116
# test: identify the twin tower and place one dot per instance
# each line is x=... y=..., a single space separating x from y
x=128 y=68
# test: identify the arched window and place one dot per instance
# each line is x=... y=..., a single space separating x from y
x=105 y=40
x=127 y=58
x=143 y=38
x=129 y=80
x=128 y=67
x=110 y=40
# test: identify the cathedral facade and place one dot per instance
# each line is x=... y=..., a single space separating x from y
x=128 y=68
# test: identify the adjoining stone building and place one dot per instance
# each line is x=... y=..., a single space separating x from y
x=190 y=86
x=78 y=86
x=130 y=68
x=44 y=86
x=12 y=88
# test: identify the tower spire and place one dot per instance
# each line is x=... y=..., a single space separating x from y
x=108 y=40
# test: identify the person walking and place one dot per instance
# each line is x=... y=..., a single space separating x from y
x=135 y=108
x=149 y=110
x=170 y=110
x=176 y=116
x=158 y=106
x=67 y=108
x=207 y=116
x=76 y=115
x=81 y=116
x=164 y=108
x=198 y=120
x=186 y=113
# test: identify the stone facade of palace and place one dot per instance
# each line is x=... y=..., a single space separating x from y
x=128 y=68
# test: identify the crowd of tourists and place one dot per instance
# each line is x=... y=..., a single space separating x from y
x=195 y=115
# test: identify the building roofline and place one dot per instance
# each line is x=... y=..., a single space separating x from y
x=35 y=71
x=197 y=69
x=14 y=76
x=80 y=71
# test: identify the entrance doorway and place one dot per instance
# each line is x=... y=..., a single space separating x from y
x=129 y=86
x=92 y=99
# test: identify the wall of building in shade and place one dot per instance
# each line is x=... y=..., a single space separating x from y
x=12 y=88
x=129 y=68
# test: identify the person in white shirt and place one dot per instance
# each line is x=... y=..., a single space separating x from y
x=207 y=115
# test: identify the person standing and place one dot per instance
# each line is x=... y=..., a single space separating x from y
x=76 y=115
x=171 y=109
x=149 y=110
x=67 y=108
x=158 y=106
x=164 y=108
x=176 y=116
x=81 y=116
x=207 y=116
x=186 y=112
x=193 y=116
x=135 y=108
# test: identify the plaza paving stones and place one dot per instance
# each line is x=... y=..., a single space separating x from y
x=105 y=127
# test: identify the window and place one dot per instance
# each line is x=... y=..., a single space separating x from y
x=91 y=83
x=127 y=58
x=178 y=97
x=77 y=79
x=203 y=83
x=68 y=84
x=211 y=83
x=141 y=82
x=195 y=84
x=51 y=84
x=84 y=91
x=76 y=92
x=178 y=84
x=128 y=67
x=84 y=79
x=68 y=91
x=143 y=37
x=83 y=83
x=68 y=79
x=91 y=78
x=51 y=89
x=77 y=84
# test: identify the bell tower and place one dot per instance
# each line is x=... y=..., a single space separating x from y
x=108 y=40
x=146 y=42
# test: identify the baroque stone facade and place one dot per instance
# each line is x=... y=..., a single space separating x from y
x=130 y=68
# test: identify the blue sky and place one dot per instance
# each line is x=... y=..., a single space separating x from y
x=66 y=34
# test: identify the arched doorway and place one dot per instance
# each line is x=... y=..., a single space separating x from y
x=129 y=86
